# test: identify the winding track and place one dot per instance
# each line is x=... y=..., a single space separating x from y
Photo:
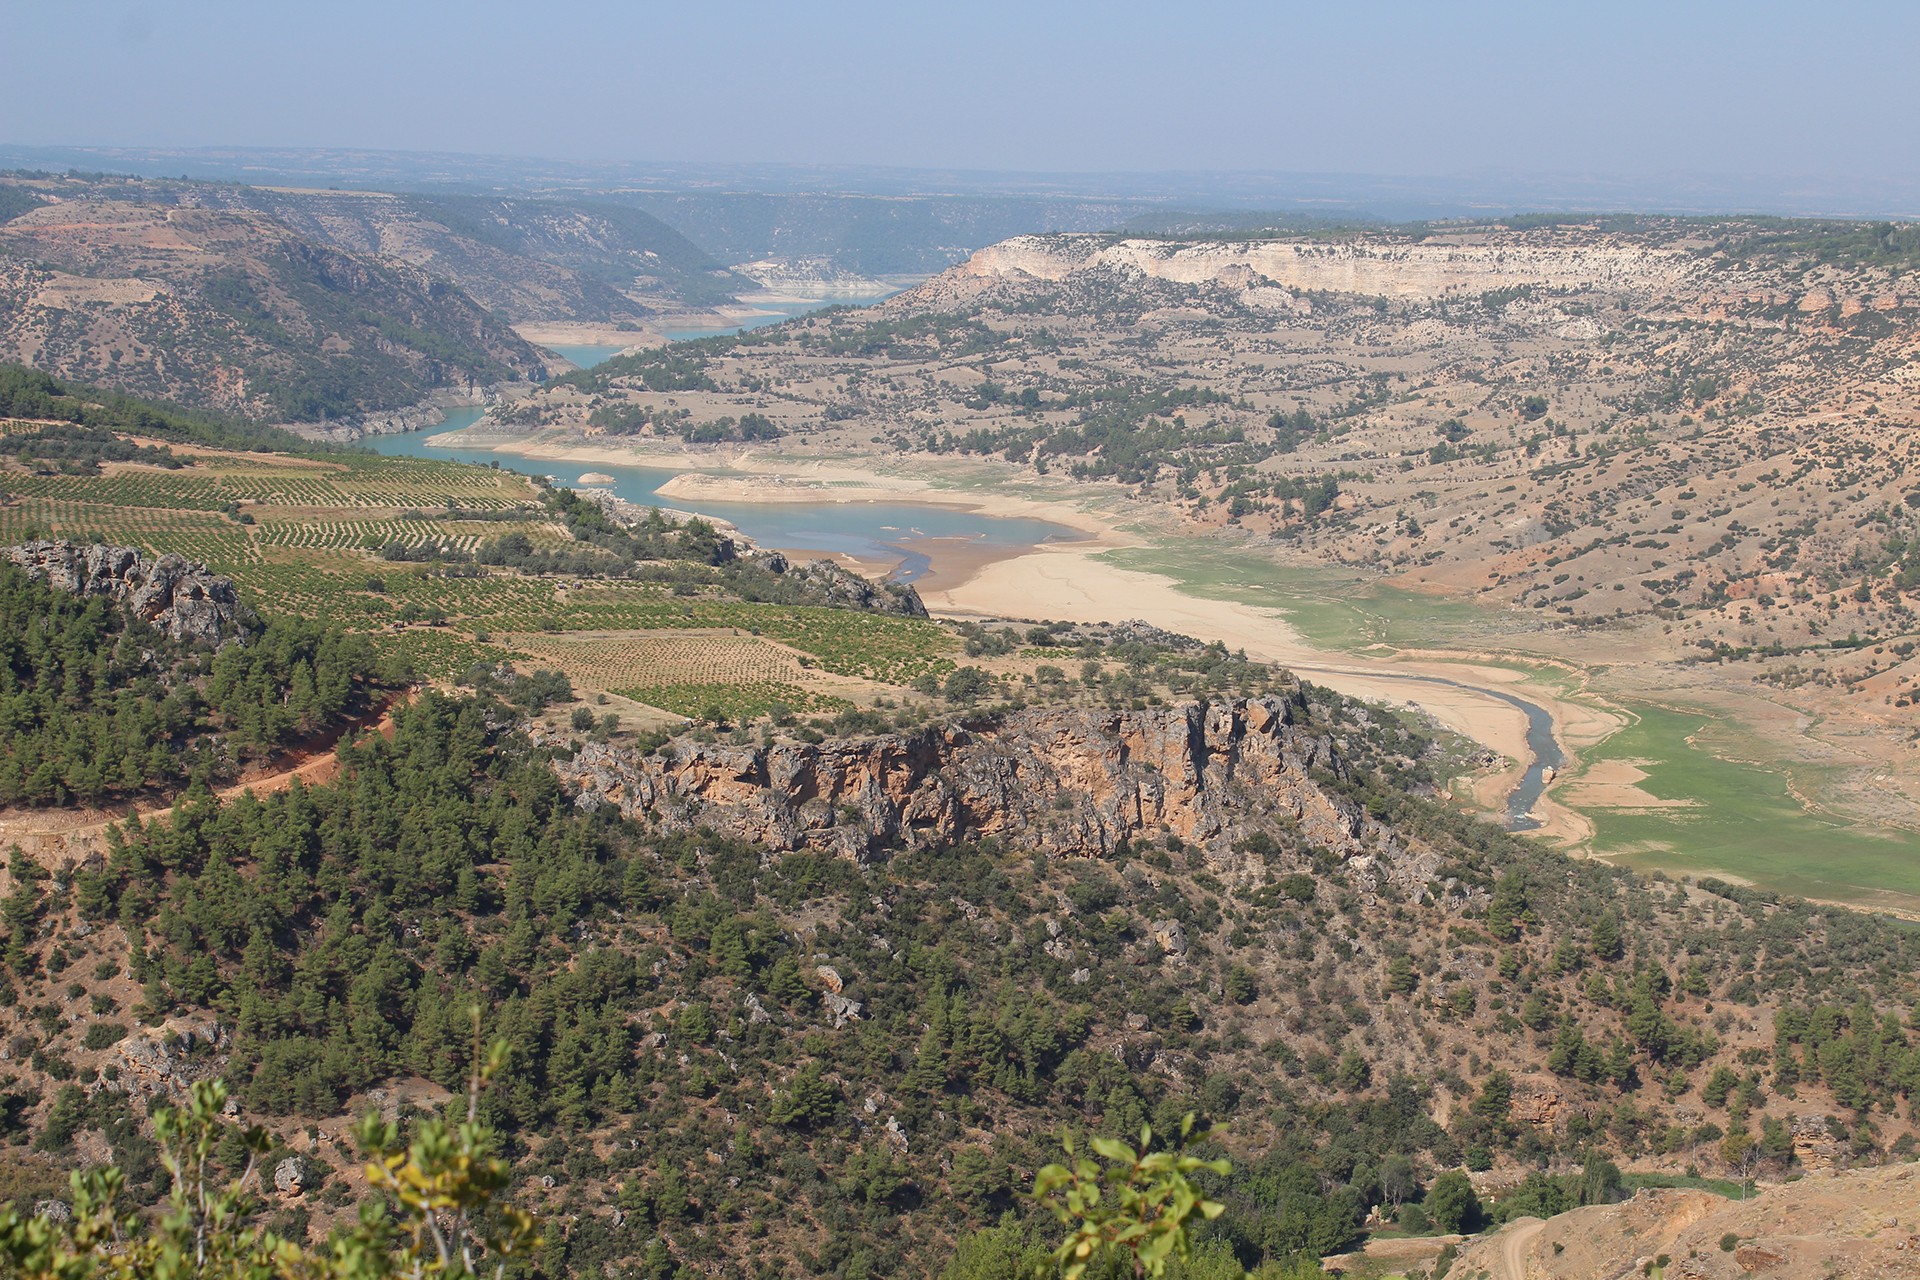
x=1515 y=1243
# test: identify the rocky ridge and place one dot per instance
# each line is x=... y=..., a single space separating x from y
x=1066 y=782
x=174 y=595
x=1415 y=271
x=841 y=588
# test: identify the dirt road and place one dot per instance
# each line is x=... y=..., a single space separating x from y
x=1515 y=1242
x=53 y=836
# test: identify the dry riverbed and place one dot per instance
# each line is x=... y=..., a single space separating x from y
x=1075 y=582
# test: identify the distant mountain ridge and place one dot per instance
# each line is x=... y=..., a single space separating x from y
x=869 y=235
x=530 y=260
x=235 y=312
x=1889 y=193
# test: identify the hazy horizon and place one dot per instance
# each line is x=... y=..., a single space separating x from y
x=1479 y=101
x=1383 y=197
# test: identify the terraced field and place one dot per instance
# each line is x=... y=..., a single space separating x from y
x=878 y=647
x=305 y=536
x=691 y=674
x=219 y=480
x=202 y=535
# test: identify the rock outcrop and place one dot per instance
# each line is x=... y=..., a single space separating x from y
x=290 y=1176
x=174 y=595
x=842 y=588
x=1068 y=782
x=1275 y=273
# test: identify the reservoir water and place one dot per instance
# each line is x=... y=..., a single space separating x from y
x=1541 y=746
x=587 y=357
x=897 y=532
x=770 y=315
x=892 y=531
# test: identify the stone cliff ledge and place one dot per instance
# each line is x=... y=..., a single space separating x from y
x=173 y=595
x=1067 y=782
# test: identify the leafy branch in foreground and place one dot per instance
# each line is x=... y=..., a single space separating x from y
x=446 y=1187
x=1136 y=1208
x=438 y=1211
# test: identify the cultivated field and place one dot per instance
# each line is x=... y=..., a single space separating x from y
x=307 y=536
x=691 y=674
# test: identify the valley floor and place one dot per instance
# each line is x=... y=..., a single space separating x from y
x=1666 y=767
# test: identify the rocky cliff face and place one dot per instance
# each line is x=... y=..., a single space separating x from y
x=842 y=588
x=172 y=594
x=1272 y=273
x=1063 y=782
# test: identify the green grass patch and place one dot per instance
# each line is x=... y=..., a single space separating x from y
x=1331 y=610
x=1728 y=1187
x=1741 y=820
x=736 y=702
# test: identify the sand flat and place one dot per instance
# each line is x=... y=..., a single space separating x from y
x=1615 y=784
x=1070 y=582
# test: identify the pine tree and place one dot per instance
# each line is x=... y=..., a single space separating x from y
x=1605 y=938
x=785 y=984
x=728 y=949
x=928 y=1074
x=1505 y=913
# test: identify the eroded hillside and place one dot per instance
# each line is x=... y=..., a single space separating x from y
x=1679 y=454
x=234 y=312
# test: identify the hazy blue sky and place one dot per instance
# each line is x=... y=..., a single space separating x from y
x=1752 y=88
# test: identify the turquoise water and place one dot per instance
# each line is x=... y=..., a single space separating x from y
x=587 y=357
x=790 y=310
x=870 y=530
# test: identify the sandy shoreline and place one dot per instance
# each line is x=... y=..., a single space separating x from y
x=1071 y=582
x=570 y=333
x=776 y=488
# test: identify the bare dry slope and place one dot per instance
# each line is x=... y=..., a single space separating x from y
x=235 y=312
x=1425 y=271
x=1863 y=1223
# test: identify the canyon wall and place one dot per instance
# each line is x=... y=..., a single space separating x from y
x=1067 y=782
x=1407 y=271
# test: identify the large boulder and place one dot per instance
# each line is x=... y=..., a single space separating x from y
x=172 y=594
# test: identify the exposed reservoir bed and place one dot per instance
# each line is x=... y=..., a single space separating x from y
x=1673 y=790
x=1689 y=808
x=940 y=547
x=917 y=538
x=1693 y=810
